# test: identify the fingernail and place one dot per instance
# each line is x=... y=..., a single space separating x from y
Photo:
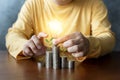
x=54 y=41
x=80 y=54
x=73 y=54
x=42 y=34
x=45 y=35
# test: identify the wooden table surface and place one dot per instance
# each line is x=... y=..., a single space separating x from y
x=104 y=68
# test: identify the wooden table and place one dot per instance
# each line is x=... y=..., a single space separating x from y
x=104 y=68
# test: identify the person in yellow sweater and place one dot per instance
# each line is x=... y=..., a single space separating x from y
x=84 y=29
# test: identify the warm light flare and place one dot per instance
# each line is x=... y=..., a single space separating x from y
x=55 y=27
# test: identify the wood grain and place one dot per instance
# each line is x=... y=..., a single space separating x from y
x=104 y=68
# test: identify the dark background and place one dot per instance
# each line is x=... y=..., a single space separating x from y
x=9 y=10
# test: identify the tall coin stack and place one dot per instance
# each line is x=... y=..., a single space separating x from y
x=53 y=60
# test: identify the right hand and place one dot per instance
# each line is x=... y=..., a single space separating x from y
x=34 y=46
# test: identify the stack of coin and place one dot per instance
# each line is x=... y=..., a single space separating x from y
x=53 y=60
x=71 y=64
x=64 y=62
x=56 y=57
x=48 y=59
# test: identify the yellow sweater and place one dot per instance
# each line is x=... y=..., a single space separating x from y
x=86 y=16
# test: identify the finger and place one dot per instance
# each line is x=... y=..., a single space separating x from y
x=36 y=41
x=79 y=54
x=42 y=35
x=71 y=42
x=40 y=51
x=32 y=46
x=54 y=41
x=67 y=37
x=27 y=52
x=73 y=49
x=62 y=39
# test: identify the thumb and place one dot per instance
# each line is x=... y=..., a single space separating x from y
x=42 y=35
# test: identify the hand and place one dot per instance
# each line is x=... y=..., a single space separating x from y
x=34 y=46
x=75 y=43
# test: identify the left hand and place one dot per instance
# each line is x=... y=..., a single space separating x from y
x=76 y=43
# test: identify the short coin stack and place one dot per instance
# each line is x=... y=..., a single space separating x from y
x=53 y=60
